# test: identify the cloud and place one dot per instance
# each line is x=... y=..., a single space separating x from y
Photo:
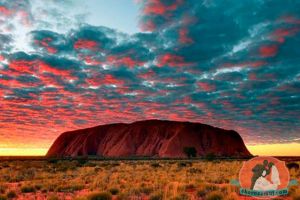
x=228 y=64
x=5 y=41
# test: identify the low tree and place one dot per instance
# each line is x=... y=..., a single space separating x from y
x=210 y=156
x=190 y=152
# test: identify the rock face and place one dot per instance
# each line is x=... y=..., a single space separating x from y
x=150 y=138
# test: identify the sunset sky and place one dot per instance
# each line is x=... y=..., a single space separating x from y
x=73 y=64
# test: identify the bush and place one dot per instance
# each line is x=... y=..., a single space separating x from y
x=201 y=193
x=155 y=165
x=292 y=165
x=2 y=197
x=185 y=164
x=158 y=196
x=97 y=169
x=11 y=194
x=206 y=189
x=99 y=196
x=82 y=161
x=64 y=166
x=27 y=189
x=194 y=171
x=211 y=187
x=215 y=195
x=210 y=156
x=114 y=191
x=3 y=189
x=38 y=187
x=70 y=188
x=49 y=188
x=90 y=164
x=122 y=196
x=181 y=197
x=296 y=197
x=52 y=160
x=190 y=187
x=28 y=174
x=190 y=152
x=232 y=196
x=146 y=190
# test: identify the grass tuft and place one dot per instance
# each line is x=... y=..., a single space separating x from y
x=28 y=189
x=99 y=196
x=215 y=195
x=114 y=191
x=11 y=194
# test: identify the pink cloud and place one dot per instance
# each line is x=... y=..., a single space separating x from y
x=157 y=7
x=183 y=36
x=268 y=50
x=207 y=87
x=172 y=60
x=86 y=44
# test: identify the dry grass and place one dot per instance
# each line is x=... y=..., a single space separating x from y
x=154 y=180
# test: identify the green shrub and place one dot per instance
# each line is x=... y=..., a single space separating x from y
x=11 y=194
x=97 y=169
x=206 y=189
x=28 y=174
x=49 y=188
x=155 y=165
x=19 y=177
x=5 y=165
x=182 y=196
x=7 y=178
x=3 y=189
x=194 y=171
x=190 y=187
x=215 y=195
x=157 y=196
x=82 y=161
x=99 y=196
x=210 y=156
x=122 y=196
x=38 y=187
x=52 y=160
x=27 y=189
x=190 y=152
x=90 y=164
x=185 y=164
x=146 y=190
x=44 y=190
x=201 y=193
x=136 y=191
x=114 y=191
x=70 y=188
x=211 y=187
x=64 y=166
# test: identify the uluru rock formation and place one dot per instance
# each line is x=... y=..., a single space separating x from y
x=150 y=138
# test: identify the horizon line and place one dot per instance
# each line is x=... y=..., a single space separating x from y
x=277 y=149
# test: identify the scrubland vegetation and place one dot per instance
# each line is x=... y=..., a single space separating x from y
x=121 y=180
